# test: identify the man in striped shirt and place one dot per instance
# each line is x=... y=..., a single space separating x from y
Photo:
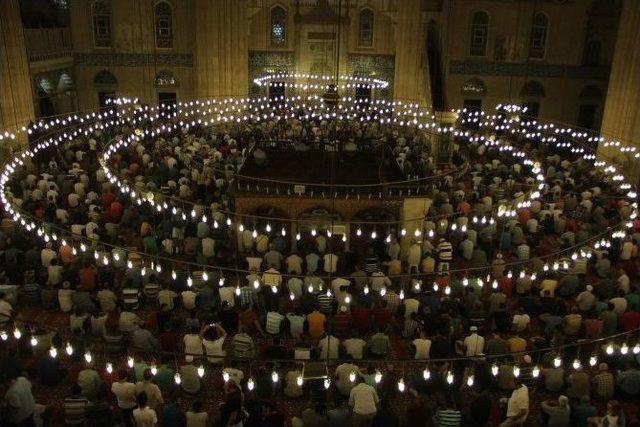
x=243 y=345
x=75 y=407
x=448 y=417
x=445 y=250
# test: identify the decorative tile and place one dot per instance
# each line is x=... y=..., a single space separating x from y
x=489 y=68
x=133 y=59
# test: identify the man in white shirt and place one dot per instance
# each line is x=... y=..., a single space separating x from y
x=294 y=264
x=363 y=399
x=125 y=393
x=189 y=299
x=474 y=343
x=329 y=346
x=345 y=377
x=517 y=406
x=330 y=263
x=422 y=346
x=354 y=347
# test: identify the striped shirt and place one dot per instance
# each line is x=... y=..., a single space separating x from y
x=449 y=418
x=274 y=319
x=326 y=303
x=75 y=410
x=243 y=346
x=445 y=251
x=247 y=296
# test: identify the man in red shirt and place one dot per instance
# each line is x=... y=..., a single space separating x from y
x=630 y=319
x=362 y=316
x=341 y=322
x=381 y=314
x=87 y=276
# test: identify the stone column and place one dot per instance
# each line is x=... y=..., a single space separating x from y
x=621 y=118
x=221 y=52
x=410 y=81
x=16 y=98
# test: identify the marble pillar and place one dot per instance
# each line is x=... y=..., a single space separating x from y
x=621 y=118
x=16 y=102
x=221 y=53
x=411 y=78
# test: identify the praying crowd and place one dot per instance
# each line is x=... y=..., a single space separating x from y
x=473 y=318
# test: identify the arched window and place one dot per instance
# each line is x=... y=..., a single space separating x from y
x=474 y=87
x=479 y=34
x=105 y=78
x=165 y=78
x=278 y=26
x=532 y=89
x=539 y=31
x=164 y=25
x=531 y=93
x=101 y=24
x=365 y=34
x=64 y=82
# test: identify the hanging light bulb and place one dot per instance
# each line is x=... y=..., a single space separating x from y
x=352 y=376
x=426 y=374
x=401 y=385
x=516 y=371
x=274 y=376
x=494 y=370
x=366 y=290
x=154 y=370
x=3 y=335
x=241 y=228
x=465 y=282
x=53 y=352
x=298 y=236
x=143 y=271
x=576 y=364
x=327 y=383
x=33 y=341
x=417 y=233
x=254 y=234
x=283 y=232
x=158 y=268
x=225 y=376
x=344 y=238
x=403 y=232
x=358 y=232
x=88 y=357
x=177 y=378
x=377 y=377
x=205 y=276
x=593 y=360
x=274 y=289
x=624 y=349
x=250 y=384
x=313 y=232
x=383 y=291
x=636 y=349
x=69 y=349
x=109 y=368
x=201 y=371
x=130 y=362
x=268 y=228
x=374 y=234
x=450 y=377
x=470 y=381
x=401 y=295
x=535 y=372
x=189 y=281
x=557 y=362
x=609 y=350
x=174 y=275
